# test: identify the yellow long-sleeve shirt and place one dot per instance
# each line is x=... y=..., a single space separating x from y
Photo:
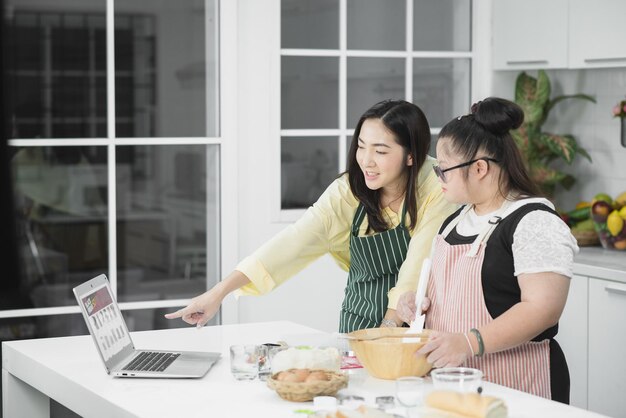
x=325 y=228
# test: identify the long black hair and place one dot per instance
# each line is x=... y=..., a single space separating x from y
x=410 y=129
x=487 y=129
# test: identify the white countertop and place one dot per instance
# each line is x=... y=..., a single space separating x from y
x=601 y=263
x=69 y=370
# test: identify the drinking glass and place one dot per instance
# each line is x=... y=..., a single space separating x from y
x=244 y=361
x=410 y=392
x=266 y=352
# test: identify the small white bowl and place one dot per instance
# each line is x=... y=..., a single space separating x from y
x=459 y=379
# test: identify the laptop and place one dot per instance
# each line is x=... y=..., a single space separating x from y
x=110 y=333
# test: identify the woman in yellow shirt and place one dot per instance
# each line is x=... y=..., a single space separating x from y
x=377 y=220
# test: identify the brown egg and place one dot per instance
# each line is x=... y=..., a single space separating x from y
x=317 y=376
x=301 y=374
x=286 y=376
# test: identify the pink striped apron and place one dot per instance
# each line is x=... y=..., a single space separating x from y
x=457 y=305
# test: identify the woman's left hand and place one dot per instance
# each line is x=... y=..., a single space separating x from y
x=445 y=349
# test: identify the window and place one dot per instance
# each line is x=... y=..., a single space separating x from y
x=117 y=154
x=339 y=57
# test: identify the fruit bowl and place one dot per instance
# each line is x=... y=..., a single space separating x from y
x=610 y=225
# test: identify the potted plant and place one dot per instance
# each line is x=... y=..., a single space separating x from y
x=540 y=149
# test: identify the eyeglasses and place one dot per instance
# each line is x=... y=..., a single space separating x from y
x=442 y=173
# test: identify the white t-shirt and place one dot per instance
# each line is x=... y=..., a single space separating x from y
x=541 y=242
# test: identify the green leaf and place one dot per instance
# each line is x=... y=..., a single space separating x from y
x=526 y=97
x=583 y=152
x=562 y=145
x=567 y=181
x=558 y=99
x=524 y=88
x=520 y=137
x=547 y=178
x=544 y=175
x=543 y=90
x=532 y=94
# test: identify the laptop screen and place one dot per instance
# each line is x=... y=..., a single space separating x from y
x=106 y=322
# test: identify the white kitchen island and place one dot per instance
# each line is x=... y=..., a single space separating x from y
x=69 y=370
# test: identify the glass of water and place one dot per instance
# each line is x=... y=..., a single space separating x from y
x=244 y=361
x=265 y=367
x=410 y=392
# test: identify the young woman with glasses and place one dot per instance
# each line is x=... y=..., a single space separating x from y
x=501 y=264
x=377 y=220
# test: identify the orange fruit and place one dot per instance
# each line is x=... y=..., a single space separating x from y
x=620 y=245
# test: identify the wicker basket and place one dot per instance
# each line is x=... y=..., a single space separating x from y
x=586 y=238
x=306 y=391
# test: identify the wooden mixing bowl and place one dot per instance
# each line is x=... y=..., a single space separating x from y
x=392 y=357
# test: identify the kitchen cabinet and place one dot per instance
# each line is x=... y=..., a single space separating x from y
x=592 y=331
x=607 y=347
x=530 y=34
x=572 y=338
x=553 y=34
x=596 y=33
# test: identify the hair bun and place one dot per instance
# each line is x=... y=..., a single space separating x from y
x=497 y=115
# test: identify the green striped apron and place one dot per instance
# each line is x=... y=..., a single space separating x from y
x=374 y=264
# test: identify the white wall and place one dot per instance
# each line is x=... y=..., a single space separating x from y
x=591 y=124
x=314 y=296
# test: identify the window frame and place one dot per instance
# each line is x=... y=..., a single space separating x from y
x=226 y=120
x=477 y=45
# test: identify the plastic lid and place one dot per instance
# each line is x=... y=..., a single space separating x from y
x=324 y=403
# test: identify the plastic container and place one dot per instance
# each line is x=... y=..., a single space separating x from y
x=459 y=379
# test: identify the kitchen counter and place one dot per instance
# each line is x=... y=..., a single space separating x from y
x=69 y=370
x=601 y=263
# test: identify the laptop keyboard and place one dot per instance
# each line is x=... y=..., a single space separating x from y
x=151 y=361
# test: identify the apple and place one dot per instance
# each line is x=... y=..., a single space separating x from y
x=600 y=211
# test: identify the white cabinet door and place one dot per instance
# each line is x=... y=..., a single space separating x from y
x=607 y=347
x=572 y=337
x=597 y=33
x=530 y=34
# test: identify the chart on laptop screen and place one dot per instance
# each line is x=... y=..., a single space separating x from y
x=106 y=322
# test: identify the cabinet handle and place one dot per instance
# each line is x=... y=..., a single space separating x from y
x=615 y=288
x=601 y=60
x=527 y=62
